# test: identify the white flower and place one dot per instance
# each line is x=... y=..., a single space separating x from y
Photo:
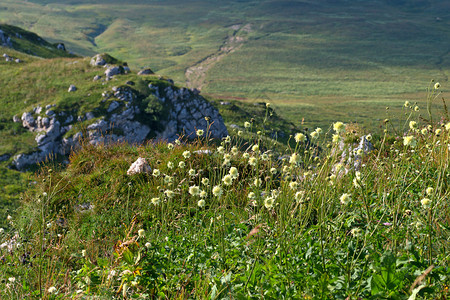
x=356 y=232
x=299 y=196
x=429 y=190
x=11 y=279
x=194 y=190
x=409 y=141
x=170 y=165
x=268 y=202
x=437 y=85
x=336 y=138
x=191 y=172
x=220 y=149
x=234 y=172
x=247 y=124
x=217 y=190
x=257 y=182
x=273 y=171
x=345 y=198
x=51 y=290
x=201 y=203
x=205 y=181
x=299 y=137
x=170 y=146
x=83 y=253
x=200 y=132
x=251 y=195
x=314 y=135
x=141 y=233
x=181 y=164
x=293 y=185
x=245 y=155
x=169 y=193
x=252 y=161
x=234 y=150
x=155 y=201
x=2 y=230
x=156 y=172
x=413 y=125
x=426 y=203
x=203 y=194
x=227 y=179
x=406 y=104
x=255 y=148
x=148 y=245
x=187 y=154
x=295 y=158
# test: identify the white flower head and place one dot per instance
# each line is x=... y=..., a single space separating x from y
x=345 y=198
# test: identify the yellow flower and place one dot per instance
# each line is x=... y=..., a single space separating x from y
x=169 y=193
x=191 y=172
x=314 y=135
x=156 y=172
x=141 y=233
x=257 y=182
x=413 y=125
x=299 y=196
x=170 y=165
x=424 y=131
x=252 y=161
x=251 y=195
x=246 y=155
x=201 y=203
x=267 y=104
x=170 y=146
x=247 y=124
x=255 y=148
x=299 y=137
x=240 y=133
x=416 y=108
x=406 y=104
x=155 y=201
x=318 y=130
x=268 y=202
x=438 y=131
x=227 y=139
x=339 y=127
x=429 y=190
x=293 y=185
x=426 y=203
x=205 y=181
x=273 y=171
x=227 y=179
x=437 y=85
x=234 y=150
x=181 y=164
x=200 y=132
x=409 y=141
x=336 y=138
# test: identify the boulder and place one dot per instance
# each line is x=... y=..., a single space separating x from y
x=98 y=60
x=139 y=166
x=112 y=71
x=146 y=72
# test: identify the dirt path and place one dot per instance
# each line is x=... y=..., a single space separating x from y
x=196 y=74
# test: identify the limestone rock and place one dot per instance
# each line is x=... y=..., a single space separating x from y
x=139 y=166
x=146 y=72
x=112 y=71
x=97 y=77
x=98 y=60
x=72 y=88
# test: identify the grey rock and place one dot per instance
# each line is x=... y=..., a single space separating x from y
x=16 y=119
x=28 y=120
x=4 y=157
x=97 y=77
x=61 y=46
x=72 y=88
x=113 y=106
x=139 y=166
x=146 y=72
x=98 y=60
x=90 y=115
x=112 y=71
x=18 y=60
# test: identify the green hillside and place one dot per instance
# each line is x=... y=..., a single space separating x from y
x=318 y=60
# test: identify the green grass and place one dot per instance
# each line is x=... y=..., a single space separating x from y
x=106 y=234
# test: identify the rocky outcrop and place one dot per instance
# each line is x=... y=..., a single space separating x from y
x=139 y=166
x=146 y=72
x=186 y=111
x=98 y=60
x=5 y=40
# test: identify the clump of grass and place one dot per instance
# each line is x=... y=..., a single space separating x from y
x=317 y=219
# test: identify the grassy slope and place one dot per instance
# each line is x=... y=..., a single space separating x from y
x=318 y=60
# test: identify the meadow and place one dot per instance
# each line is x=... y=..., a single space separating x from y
x=240 y=219
x=317 y=60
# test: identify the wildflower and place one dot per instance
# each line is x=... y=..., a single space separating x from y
x=429 y=190
x=447 y=126
x=217 y=190
x=259 y=132
x=424 y=131
x=168 y=179
x=220 y=149
x=234 y=172
x=267 y=104
x=345 y=198
x=426 y=203
x=227 y=179
x=252 y=161
x=228 y=139
x=339 y=127
x=191 y=172
x=155 y=201
x=227 y=156
x=295 y=158
x=12 y=279
x=169 y=193
x=194 y=190
x=186 y=154
x=203 y=194
x=268 y=202
x=336 y=138
x=200 y=132
x=245 y=155
x=240 y=133
x=141 y=233
x=356 y=232
x=356 y=183
x=338 y=167
x=156 y=172
x=299 y=196
x=293 y=185
x=201 y=203
x=255 y=148
x=438 y=131
x=409 y=141
x=148 y=245
x=257 y=182
x=234 y=150
x=181 y=164
x=1 y=230
x=359 y=152
x=437 y=85
x=170 y=146
x=299 y=137
x=413 y=125
x=318 y=130
x=205 y=181
x=83 y=253
x=170 y=165
x=416 y=108
x=273 y=171
x=406 y=104
x=247 y=125
x=178 y=142
x=314 y=135
x=251 y=195
x=9 y=218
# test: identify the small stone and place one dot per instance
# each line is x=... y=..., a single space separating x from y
x=146 y=72
x=139 y=166
x=97 y=77
x=72 y=88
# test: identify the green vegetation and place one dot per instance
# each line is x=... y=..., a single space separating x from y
x=245 y=222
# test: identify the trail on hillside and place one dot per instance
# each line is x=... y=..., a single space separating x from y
x=196 y=74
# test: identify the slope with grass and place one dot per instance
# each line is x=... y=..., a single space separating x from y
x=318 y=60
